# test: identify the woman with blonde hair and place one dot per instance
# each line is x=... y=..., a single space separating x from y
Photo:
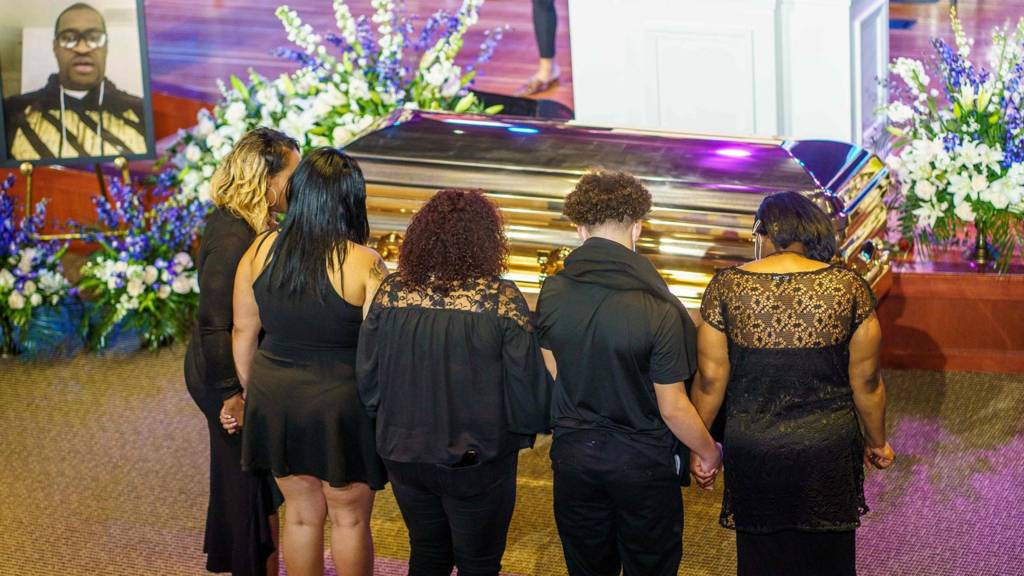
x=249 y=186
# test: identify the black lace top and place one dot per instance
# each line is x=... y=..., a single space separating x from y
x=793 y=447
x=445 y=373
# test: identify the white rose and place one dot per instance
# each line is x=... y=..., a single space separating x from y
x=924 y=190
x=121 y=267
x=36 y=299
x=899 y=112
x=15 y=301
x=6 y=279
x=193 y=153
x=214 y=141
x=181 y=285
x=50 y=281
x=111 y=283
x=999 y=194
x=29 y=288
x=27 y=257
x=135 y=287
x=164 y=291
x=182 y=261
x=203 y=191
x=340 y=136
x=452 y=86
x=965 y=212
x=236 y=113
x=150 y=275
x=205 y=126
x=358 y=89
x=208 y=170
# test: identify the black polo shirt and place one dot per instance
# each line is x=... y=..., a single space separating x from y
x=611 y=347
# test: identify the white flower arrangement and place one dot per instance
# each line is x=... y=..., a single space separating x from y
x=31 y=276
x=342 y=89
x=143 y=278
x=959 y=153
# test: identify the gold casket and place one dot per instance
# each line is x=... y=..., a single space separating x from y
x=705 y=189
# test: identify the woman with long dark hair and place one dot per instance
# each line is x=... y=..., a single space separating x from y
x=247 y=189
x=449 y=366
x=307 y=286
x=796 y=340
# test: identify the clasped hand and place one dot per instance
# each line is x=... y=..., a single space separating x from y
x=705 y=471
x=232 y=413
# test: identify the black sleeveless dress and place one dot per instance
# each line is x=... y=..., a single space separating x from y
x=794 y=472
x=302 y=413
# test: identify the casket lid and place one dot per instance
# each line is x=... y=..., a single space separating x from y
x=543 y=149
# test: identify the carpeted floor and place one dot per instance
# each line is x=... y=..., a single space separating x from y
x=104 y=472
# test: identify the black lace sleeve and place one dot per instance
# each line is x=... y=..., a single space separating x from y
x=366 y=354
x=224 y=247
x=864 y=301
x=711 y=303
x=527 y=382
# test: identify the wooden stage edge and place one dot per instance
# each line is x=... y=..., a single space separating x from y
x=936 y=316
x=946 y=316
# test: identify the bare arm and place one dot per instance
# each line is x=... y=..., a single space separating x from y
x=708 y=390
x=374 y=277
x=549 y=362
x=682 y=419
x=246 y=330
x=866 y=381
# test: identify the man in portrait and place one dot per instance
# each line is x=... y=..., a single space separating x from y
x=79 y=113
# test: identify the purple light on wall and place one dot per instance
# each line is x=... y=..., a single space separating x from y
x=733 y=152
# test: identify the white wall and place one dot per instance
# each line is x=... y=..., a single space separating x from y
x=792 y=68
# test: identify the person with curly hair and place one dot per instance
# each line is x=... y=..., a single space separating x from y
x=621 y=347
x=449 y=366
x=249 y=186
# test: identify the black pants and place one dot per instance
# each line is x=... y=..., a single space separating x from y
x=795 y=553
x=545 y=24
x=456 y=516
x=617 y=505
x=238 y=537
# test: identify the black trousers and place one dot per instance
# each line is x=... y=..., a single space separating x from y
x=238 y=537
x=545 y=25
x=795 y=553
x=456 y=516
x=618 y=505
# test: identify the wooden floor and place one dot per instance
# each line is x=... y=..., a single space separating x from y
x=194 y=42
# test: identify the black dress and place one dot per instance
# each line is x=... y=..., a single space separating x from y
x=794 y=473
x=302 y=412
x=238 y=538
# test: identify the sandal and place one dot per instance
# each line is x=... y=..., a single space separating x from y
x=536 y=86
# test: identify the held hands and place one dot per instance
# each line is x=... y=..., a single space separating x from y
x=232 y=413
x=705 y=471
x=879 y=457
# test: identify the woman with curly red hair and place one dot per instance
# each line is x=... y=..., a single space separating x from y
x=449 y=366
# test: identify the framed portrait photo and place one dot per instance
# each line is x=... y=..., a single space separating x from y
x=74 y=83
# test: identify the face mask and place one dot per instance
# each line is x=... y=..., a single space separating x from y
x=758 y=240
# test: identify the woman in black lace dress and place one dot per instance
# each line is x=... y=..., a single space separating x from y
x=797 y=342
x=247 y=188
x=308 y=286
x=449 y=366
